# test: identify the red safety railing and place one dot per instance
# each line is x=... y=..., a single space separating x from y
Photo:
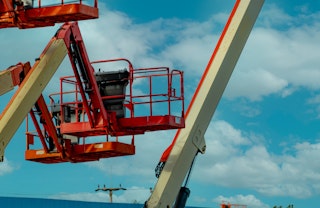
x=135 y=100
x=40 y=3
x=154 y=93
x=32 y=14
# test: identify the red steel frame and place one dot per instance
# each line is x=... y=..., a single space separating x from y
x=41 y=15
x=132 y=124
x=55 y=137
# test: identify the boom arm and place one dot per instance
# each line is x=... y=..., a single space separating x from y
x=13 y=76
x=37 y=79
x=190 y=140
x=30 y=90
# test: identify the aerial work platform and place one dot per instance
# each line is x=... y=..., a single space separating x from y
x=81 y=153
x=127 y=114
x=31 y=14
x=98 y=110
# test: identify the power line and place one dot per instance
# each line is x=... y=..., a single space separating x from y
x=110 y=190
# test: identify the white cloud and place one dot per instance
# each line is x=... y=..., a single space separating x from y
x=149 y=148
x=272 y=16
x=6 y=167
x=134 y=195
x=255 y=84
x=235 y=159
x=131 y=195
x=314 y=100
x=274 y=59
x=246 y=108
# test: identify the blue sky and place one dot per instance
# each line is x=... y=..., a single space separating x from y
x=263 y=143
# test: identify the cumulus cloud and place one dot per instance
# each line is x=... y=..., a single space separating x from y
x=235 y=159
x=278 y=61
x=274 y=61
x=6 y=167
x=273 y=16
x=266 y=83
x=137 y=195
x=149 y=148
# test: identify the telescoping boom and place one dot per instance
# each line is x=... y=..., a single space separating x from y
x=178 y=158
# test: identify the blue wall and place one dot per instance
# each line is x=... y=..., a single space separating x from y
x=17 y=202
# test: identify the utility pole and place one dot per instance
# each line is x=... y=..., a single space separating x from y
x=110 y=190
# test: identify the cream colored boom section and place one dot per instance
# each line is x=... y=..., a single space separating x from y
x=5 y=82
x=190 y=140
x=30 y=90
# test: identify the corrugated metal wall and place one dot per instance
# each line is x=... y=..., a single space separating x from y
x=17 y=202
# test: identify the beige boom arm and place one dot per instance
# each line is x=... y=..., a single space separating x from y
x=190 y=140
x=6 y=83
x=13 y=76
x=30 y=90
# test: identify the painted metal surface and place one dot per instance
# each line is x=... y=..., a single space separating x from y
x=190 y=140
x=30 y=90
x=29 y=14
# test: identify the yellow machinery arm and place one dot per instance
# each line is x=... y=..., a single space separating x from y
x=13 y=76
x=29 y=91
x=190 y=140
